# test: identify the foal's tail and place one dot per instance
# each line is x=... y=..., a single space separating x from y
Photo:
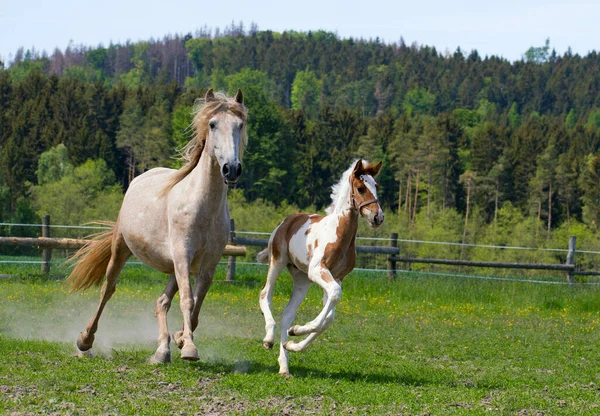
x=263 y=256
x=91 y=261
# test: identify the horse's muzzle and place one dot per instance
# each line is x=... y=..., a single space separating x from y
x=231 y=172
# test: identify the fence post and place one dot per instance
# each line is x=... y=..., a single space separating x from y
x=231 y=261
x=571 y=258
x=391 y=264
x=47 y=252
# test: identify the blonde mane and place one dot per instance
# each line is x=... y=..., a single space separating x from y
x=204 y=111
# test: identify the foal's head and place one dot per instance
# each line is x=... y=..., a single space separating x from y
x=364 y=192
x=222 y=124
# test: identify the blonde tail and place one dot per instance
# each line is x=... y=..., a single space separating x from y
x=91 y=262
x=263 y=256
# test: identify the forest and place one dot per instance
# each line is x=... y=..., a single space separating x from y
x=474 y=149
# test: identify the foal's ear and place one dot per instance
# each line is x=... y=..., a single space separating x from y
x=210 y=95
x=239 y=96
x=375 y=169
x=358 y=168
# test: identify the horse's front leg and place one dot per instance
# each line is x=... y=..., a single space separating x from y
x=163 y=304
x=186 y=304
x=202 y=282
x=333 y=292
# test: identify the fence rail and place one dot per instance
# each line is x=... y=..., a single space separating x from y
x=236 y=247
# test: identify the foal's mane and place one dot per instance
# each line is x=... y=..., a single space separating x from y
x=204 y=110
x=341 y=190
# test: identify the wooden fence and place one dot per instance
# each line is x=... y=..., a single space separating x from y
x=236 y=248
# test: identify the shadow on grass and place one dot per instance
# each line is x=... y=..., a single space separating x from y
x=407 y=376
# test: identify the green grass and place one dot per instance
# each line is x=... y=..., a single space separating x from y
x=417 y=345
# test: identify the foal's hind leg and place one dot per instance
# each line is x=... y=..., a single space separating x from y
x=301 y=286
x=266 y=296
x=120 y=254
x=163 y=304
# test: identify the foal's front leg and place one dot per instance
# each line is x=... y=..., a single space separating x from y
x=302 y=345
x=333 y=293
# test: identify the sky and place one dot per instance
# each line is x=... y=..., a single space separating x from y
x=502 y=28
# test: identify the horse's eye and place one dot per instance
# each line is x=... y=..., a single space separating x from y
x=361 y=189
x=376 y=186
x=212 y=125
x=241 y=125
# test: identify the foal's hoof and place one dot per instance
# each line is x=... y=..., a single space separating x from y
x=292 y=331
x=268 y=345
x=178 y=339
x=161 y=357
x=190 y=353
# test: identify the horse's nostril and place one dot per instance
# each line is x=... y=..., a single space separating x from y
x=238 y=170
x=225 y=169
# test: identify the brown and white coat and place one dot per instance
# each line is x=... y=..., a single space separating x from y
x=319 y=249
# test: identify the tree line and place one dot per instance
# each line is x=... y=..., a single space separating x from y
x=456 y=132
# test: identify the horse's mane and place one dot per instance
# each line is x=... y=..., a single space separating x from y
x=204 y=111
x=341 y=190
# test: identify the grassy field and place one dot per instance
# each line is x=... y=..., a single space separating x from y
x=417 y=345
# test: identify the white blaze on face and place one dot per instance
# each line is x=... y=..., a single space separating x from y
x=372 y=186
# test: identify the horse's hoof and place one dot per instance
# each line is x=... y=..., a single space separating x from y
x=286 y=345
x=161 y=357
x=292 y=331
x=268 y=345
x=190 y=353
x=178 y=339
x=82 y=345
x=84 y=354
x=285 y=374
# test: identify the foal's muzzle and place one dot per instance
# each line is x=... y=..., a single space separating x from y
x=231 y=172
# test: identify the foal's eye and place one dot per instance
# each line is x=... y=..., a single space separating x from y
x=361 y=189
x=212 y=125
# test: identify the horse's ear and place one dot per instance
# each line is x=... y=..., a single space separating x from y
x=358 y=168
x=375 y=169
x=239 y=96
x=210 y=95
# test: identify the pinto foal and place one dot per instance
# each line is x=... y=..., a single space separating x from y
x=319 y=249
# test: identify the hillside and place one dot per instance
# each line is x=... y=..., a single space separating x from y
x=453 y=129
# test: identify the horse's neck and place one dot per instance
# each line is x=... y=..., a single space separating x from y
x=205 y=183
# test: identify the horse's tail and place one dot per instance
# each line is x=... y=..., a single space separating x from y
x=263 y=256
x=91 y=262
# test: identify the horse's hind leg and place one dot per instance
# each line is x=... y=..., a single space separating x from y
x=266 y=296
x=163 y=304
x=120 y=254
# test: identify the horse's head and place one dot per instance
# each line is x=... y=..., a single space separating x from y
x=364 y=192
x=226 y=133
